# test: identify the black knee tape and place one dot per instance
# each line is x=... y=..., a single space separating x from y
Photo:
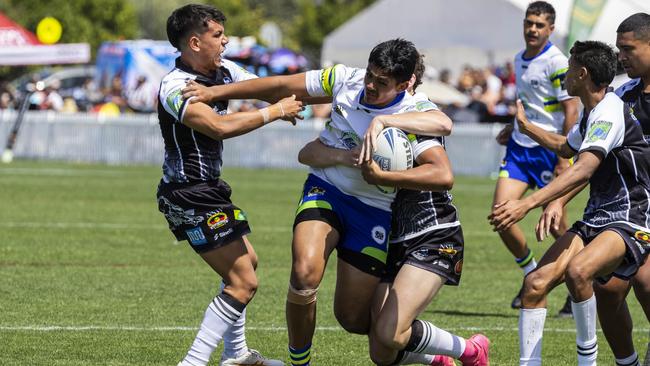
x=416 y=336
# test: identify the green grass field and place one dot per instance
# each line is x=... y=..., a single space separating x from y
x=90 y=275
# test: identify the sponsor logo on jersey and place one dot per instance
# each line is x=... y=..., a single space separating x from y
x=424 y=105
x=350 y=139
x=379 y=234
x=546 y=176
x=196 y=237
x=315 y=191
x=642 y=236
x=598 y=131
x=534 y=83
x=175 y=101
x=217 y=220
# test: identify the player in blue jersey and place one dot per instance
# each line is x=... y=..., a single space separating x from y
x=613 y=157
x=338 y=209
x=540 y=70
x=192 y=196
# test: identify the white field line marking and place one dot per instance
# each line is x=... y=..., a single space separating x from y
x=55 y=328
x=61 y=172
x=113 y=226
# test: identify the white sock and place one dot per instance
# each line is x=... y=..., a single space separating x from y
x=219 y=316
x=585 y=315
x=632 y=360
x=531 y=329
x=234 y=340
x=431 y=340
x=529 y=267
x=411 y=358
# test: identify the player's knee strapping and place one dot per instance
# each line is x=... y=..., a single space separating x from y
x=301 y=297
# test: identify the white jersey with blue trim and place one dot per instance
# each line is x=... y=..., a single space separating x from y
x=540 y=86
x=350 y=119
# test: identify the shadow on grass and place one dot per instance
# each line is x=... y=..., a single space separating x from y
x=515 y=314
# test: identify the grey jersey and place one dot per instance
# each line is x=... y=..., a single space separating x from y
x=620 y=187
x=419 y=212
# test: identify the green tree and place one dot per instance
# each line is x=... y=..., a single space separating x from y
x=89 y=21
x=242 y=18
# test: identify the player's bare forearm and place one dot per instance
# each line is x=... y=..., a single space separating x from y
x=270 y=89
x=552 y=141
x=201 y=117
x=570 y=108
x=565 y=199
x=318 y=155
x=575 y=179
x=429 y=123
x=425 y=177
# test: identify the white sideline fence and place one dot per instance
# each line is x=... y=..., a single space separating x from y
x=136 y=139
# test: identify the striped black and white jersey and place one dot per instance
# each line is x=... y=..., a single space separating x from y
x=189 y=155
x=638 y=102
x=419 y=212
x=620 y=186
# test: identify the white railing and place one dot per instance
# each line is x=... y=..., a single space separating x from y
x=136 y=139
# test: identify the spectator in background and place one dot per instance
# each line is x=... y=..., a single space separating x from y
x=142 y=97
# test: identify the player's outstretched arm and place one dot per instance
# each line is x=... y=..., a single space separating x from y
x=432 y=174
x=553 y=141
x=429 y=123
x=318 y=155
x=507 y=213
x=201 y=117
x=270 y=89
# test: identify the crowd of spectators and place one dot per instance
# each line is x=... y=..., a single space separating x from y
x=490 y=91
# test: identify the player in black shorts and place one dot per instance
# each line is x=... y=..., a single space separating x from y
x=633 y=42
x=613 y=157
x=191 y=194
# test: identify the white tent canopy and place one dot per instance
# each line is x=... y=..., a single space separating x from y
x=459 y=32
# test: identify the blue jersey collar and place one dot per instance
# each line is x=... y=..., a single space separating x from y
x=397 y=99
x=549 y=44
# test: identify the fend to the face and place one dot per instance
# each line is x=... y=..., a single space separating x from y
x=537 y=30
x=380 y=88
x=634 y=54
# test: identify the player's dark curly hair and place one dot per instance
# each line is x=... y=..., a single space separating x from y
x=598 y=58
x=192 y=18
x=638 y=23
x=396 y=57
x=542 y=7
x=419 y=72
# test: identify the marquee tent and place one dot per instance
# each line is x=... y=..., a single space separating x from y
x=19 y=46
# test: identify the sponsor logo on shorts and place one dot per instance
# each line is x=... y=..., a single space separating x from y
x=642 y=236
x=223 y=233
x=420 y=254
x=447 y=249
x=315 y=191
x=196 y=237
x=176 y=215
x=440 y=263
x=503 y=164
x=379 y=234
x=458 y=268
x=217 y=220
x=240 y=215
x=546 y=176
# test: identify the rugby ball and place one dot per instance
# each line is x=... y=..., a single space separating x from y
x=393 y=152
